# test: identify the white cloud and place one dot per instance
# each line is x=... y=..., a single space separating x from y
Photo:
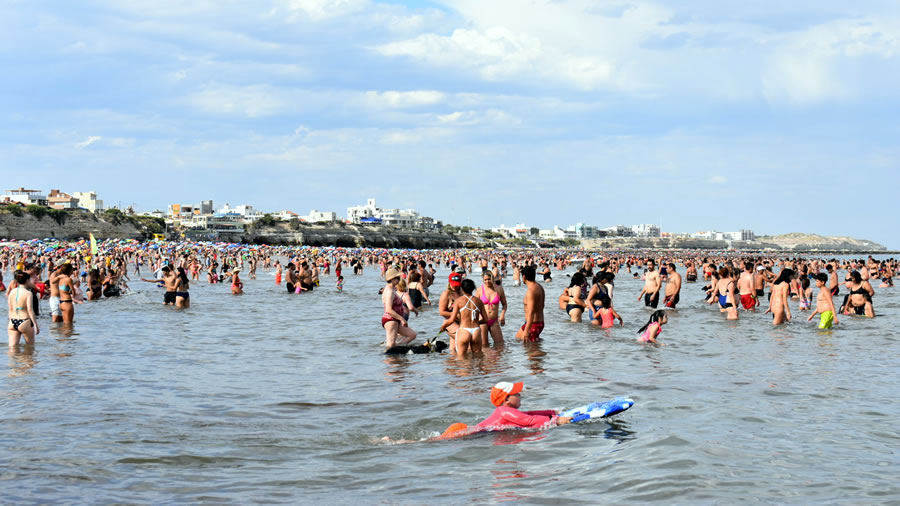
x=718 y=180
x=319 y=10
x=90 y=140
x=250 y=101
x=404 y=99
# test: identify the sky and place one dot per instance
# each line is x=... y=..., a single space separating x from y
x=694 y=114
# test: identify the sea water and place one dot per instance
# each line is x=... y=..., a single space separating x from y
x=278 y=398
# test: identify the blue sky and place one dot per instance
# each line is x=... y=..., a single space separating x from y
x=774 y=116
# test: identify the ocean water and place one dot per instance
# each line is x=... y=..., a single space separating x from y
x=278 y=398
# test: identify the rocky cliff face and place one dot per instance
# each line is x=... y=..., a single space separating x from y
x=787 y=242
x=352 y=236
x=812 y=242
x=76 y=225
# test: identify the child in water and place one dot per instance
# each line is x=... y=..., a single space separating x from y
x=606 y=316
x=507 y=398
x=653 y=327
x=340 y=284
x=824 y=303
x=805 y=293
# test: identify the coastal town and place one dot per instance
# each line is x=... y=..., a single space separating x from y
x=204 y=220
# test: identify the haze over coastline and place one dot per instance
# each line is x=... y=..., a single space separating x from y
x=694 y=115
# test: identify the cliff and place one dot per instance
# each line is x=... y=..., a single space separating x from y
x=811 y=242
x=787 y=242
x=23 y=225
x=353 y=236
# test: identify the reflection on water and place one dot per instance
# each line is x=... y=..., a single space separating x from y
x=288 y=396
x=535 y=356
x=21 y=359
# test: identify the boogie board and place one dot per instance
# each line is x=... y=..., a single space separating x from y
x=597 y=410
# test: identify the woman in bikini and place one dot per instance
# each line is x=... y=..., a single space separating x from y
x=66 y=293
x=392 y=319
x=781 y=293
x=182 y=297
x=859 y=300
x=237 y=286
x=445 y=304
x=471 y=313
x=22 y=320
x=575 y=304
x=417 y=291
x=492 y=296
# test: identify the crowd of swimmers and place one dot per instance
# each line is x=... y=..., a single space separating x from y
x=474 y=313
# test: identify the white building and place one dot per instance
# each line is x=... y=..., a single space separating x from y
x=583 y=231
x=645 y=230
x=246 y=211
x=403 y=218
x=556 y=233
x=320 y=217
x=27 y=197
x=156 y=214
x=356 y=213
x=285 y=215
x=617 y=231
x=520 y=230
x=231 y=222
x=89 y=201
x=712 y=235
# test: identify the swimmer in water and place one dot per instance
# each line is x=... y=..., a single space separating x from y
x=651 y=330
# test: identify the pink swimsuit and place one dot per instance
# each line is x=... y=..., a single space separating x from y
x=505 y=417
x=645 y=337
x=490 y=302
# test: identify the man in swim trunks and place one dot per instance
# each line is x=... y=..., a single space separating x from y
x=673 y=287
x=652 y=284
x=169 y=280
x=55 y=314
x=833 y=284
x=824 y=303
x=534 y=308
x=764 y=275
x=745 y=287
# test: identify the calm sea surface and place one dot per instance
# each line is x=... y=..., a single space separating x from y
x=275 y=398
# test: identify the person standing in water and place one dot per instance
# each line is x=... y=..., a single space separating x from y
x=392 y=320
x=534 y=307
x=673 y=287
x=237 y=286
x=824 y=303
x=22 y=319
x=652 y=284
x=778 y=301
